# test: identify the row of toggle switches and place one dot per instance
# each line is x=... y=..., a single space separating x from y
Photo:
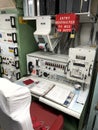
x=55 y=65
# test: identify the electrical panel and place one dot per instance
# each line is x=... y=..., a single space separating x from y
x=8 y=21
x=80 y=64
x=14 y=45
x=47 y=65
x=9 y=36
x=77 y=66
x=75 y=70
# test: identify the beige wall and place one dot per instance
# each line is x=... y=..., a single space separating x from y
x=94 y=6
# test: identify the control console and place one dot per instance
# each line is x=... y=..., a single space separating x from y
x=76 y=67
x=47 y=65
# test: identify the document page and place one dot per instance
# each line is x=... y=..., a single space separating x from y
x=58 y=94
x=82 y=96
x=42 y=88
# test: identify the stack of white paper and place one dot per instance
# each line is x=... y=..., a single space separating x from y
x=42 y=88
x=15 y=103
x=82 y=96
x=58 y=94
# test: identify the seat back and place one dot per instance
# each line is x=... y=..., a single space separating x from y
x=15 y=103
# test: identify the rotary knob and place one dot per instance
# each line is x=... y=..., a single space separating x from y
x=45 y=74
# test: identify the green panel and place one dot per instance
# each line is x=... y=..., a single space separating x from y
x=70 y=123
x=19 y=3
x=26 y=42
x=11 y=11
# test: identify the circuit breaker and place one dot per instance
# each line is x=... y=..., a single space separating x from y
x=16 y=40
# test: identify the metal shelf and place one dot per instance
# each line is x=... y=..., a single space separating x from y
x=35 y=17
x=84 y=17
x=30 y=18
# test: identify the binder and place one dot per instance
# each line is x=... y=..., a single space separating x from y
x=69 y=6
x=62 y=6
x=42 y=7
x=52 y=7
x=76 y=6
x=50 y=4
x=85 y=6
x=41 y=88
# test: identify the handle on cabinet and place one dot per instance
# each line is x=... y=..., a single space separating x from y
x=13 y=24
x=18 y=75
x=15 y=51
x=17 y=64
x=14 y=37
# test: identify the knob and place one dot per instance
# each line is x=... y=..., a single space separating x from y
x=45 y=74
x=30 y=67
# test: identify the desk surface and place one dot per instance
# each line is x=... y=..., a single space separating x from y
x=56 y=96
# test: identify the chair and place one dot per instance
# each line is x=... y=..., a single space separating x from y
x=18 y=113
x=45 y=118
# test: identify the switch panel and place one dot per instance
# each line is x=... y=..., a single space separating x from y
x=11 y=73
x=15 y=43
x=9 y=60
x=9 y=36
x=77 y=66
x=80 y=64
x=47 y=65
x=8 y=21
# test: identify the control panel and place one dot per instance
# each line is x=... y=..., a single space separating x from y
x=9 y=36
x=77 y=66
x=8 y=49
x=47 y=65
x=80 y=64
x=10 y=72
x=9 y=59
x=8 y=21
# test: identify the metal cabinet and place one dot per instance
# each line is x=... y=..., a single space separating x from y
x=16 y=40
x=93 y=116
